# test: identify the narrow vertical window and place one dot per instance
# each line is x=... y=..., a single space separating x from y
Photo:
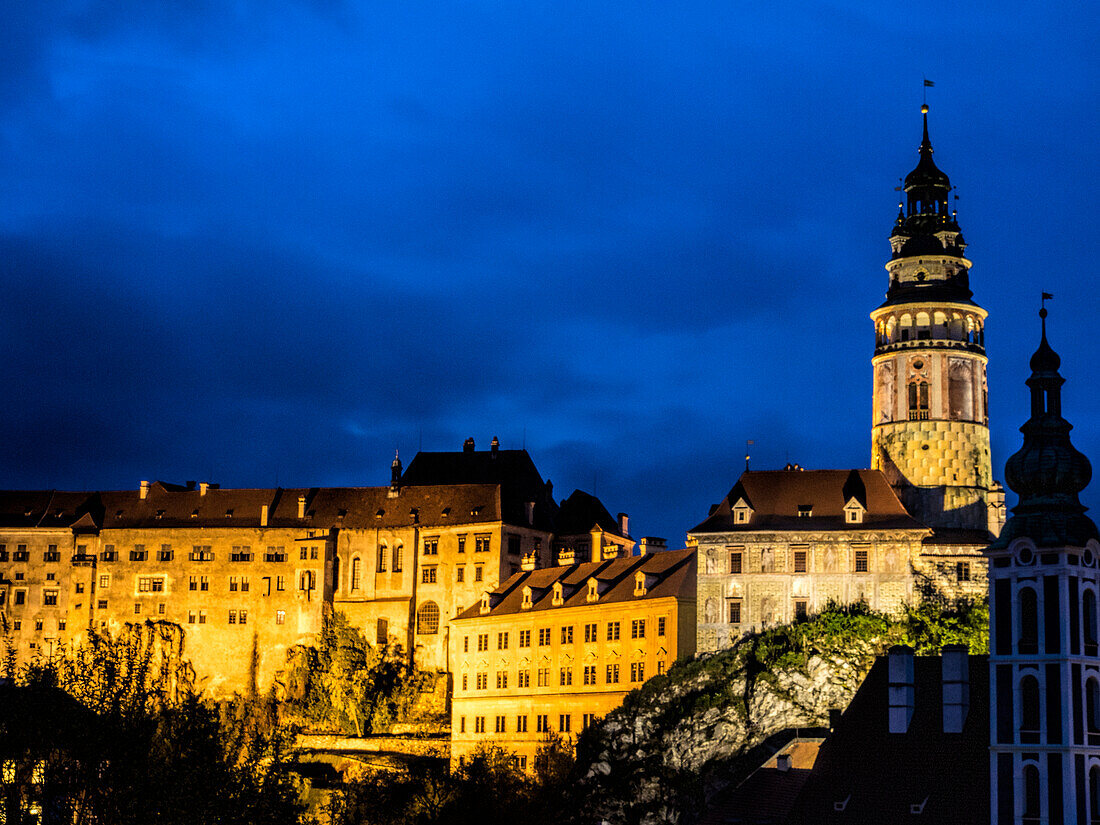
x=1029 y=621
x=356 y=573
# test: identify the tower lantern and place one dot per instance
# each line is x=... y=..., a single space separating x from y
x=930 y=426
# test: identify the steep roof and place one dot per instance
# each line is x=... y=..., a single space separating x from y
x=667 y=574
x=513 y=470
x=41 y=508
x=581 y=512
x=776 y=497
x=877 y=775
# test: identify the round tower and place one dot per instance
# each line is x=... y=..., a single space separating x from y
x=930 y=427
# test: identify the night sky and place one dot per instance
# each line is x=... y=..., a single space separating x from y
x=268 y=242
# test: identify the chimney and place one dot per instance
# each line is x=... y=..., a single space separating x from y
x=190 y=485
x=956 y=687
x=143 y=490
x=530 y=506
x=203 y=487
x=783 y=762
x=529 y=562
x=624 y=524
x=263 y=515
x=494 y=445
x=301 y=506
x=468 y=445
x=651 y=544
x=901 y=690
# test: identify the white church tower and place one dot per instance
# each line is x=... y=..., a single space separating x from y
x=1044 y=587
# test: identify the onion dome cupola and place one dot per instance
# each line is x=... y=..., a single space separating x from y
x=1047 y=472
x=927 y=229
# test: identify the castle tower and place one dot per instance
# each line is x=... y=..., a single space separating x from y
x=930 y=428
x=1044 y=628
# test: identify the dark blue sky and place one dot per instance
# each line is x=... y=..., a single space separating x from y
x=266 y=242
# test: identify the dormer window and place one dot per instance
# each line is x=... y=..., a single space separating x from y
x=639 y=584
x=854 y=512
x=742 y=512
x=593 y=590
x=380 y=513
x=805 y=510
x=485 y=603
x=229 y=514
x=558 y=598
x=526 y=604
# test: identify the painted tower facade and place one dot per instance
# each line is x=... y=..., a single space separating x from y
x=930 y=427
x=1044 y=587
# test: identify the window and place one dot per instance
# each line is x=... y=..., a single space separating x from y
x=482 y=642
x=101 y=604
x=138 y=553
x=202 y=617
x=201 y=553
x=612 y=631
x=588 y=720
x=544 y=677
x=590 y=633
x=479 y=724
x=61 y=623
x=398 y=558
x=1092 y=711
x=104 y=582
x=861 y=561
x=502 y=641
x=307 y=581
x=799 y=561
x=502 y=679
x=482 y=681
x=661 y=626
x=79 y=587
x=523 y=679
x=564 y=722
x=427 y=619
x=241 y=553
x=479 y=572
x=431 y=546
x=232 y=584
x=165 y=553
x=660 y=666
x=280 y=583
x=521 y=724
x=1089 y=619
x=49 y=597
x=567 y=635
x=962 y=571
x=460 y=574
x=382 y=631
x=243 y=614
x=734 y=611
x=544 y=636
x=800 y=609
x=462 y=724
x=542 y=723
x=383 y=554
x=38 y=622
x=461 y=544
x=280 y=617
x=204 y=583
x=637 y=629
x=805 y=510
x=918 y=401
x=150 y=584
x=190 y=616
x=525 y=638
x=232 y=616
x=465 y=681
x=613 y=674
x=21 y=553
x=1029 y=621
x=565 y=677
x=481 y=544
x=51 y=555
x=427 y=575
x=735 y=560
x=500 y=725
x=589 y=674
x=1029 y=710
x=637 y=671
x=108 y=554
x=514 y=545
x=275 y=554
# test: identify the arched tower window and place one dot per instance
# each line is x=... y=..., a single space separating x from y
x=356 y=573
x=383 y=555
x=1030 y=712
x=427 y=619
x=1092 y=707
x=906 y=327
x=918 y=401
x=1031 y=793
x=397 y=558
x=1094 y=794
x=924 y=326
x=1029 y=621
x=1089 y=617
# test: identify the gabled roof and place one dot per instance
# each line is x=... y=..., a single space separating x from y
x=881 y=774
x=776 y=496
x=41 y=508
x=580 y=513
x=670 y=573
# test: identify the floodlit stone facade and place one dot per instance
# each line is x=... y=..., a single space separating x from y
x=552 y=650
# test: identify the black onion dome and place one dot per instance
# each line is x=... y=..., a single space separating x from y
x=1047 y=472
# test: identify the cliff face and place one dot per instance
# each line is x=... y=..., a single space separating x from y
x=705 y=724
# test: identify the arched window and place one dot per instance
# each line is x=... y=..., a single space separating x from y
x=356 y=573
x=1094 y=793
x=397 y=553
x=1088 y=614
x=1031 y=793
x=918 y=401
x=427 y=619
x=1029 y=621
x=1030 y=713
x=1092 y=706
x=383 y=555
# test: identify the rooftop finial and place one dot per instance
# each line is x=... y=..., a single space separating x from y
x=926 y=143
